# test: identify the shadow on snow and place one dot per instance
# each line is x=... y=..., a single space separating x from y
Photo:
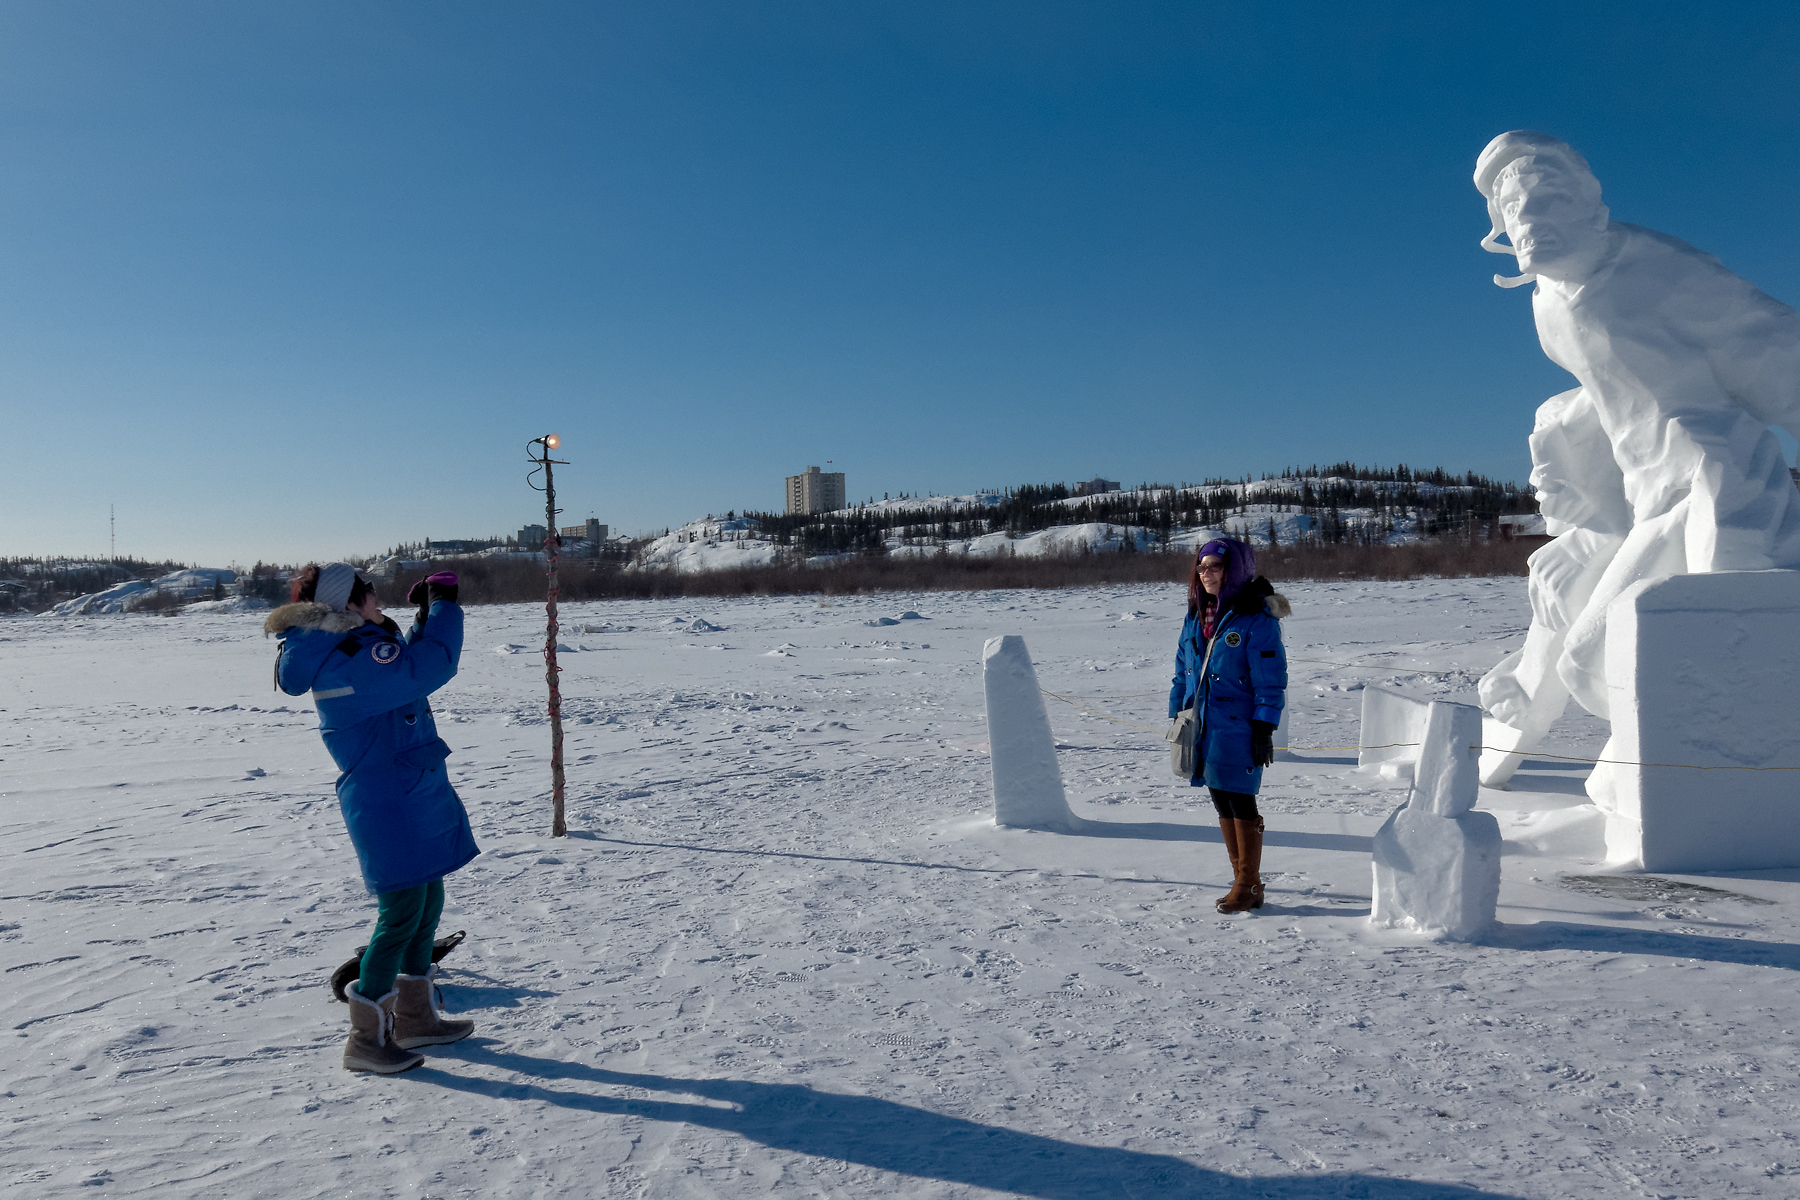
x=1609 y=939
x=906 y=1140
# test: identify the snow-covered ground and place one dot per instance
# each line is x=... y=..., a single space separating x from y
x=784 y=949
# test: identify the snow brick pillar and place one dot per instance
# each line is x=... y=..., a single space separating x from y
x=1028 y=786
x=1703 y=670
x=1437 y=863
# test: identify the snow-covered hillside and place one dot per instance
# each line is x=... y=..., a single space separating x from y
x=785 y=951
x=192 y=583
x=920 y=525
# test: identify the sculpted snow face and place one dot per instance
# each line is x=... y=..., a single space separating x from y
x=1662 y=462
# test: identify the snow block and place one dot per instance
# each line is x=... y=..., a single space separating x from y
x=1436 y=863
x=1446 y=782
x=1282 y=736
x=1704 y=670
x=1390 y=717
x=1437 y=875
x=1028 y=785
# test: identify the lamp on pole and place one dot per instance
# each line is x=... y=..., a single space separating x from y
x=552 y=550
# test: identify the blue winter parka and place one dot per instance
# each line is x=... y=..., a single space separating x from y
x=1245 y=680
x=369 y=686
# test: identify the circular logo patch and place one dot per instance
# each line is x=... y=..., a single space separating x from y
x=387 y=652
x=1233 y=638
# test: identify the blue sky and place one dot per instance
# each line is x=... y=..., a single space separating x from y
x=299 y=281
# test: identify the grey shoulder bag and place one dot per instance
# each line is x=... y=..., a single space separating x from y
x=1184 y=732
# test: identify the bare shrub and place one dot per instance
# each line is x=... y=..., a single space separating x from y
x=512 y=581
x=156 y=601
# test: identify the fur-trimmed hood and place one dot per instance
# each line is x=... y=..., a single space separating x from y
x=1259 y=595
x=308 y=614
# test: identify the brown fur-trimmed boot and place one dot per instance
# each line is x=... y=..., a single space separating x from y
x=1228 y=829
x=370 y=1046
x=417 y=1018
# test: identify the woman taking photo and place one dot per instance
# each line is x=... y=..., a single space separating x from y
x=406 y=822
x=1230 y=668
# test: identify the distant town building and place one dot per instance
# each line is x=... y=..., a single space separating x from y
x=593 y=531
x=454 y=546
x=815 y=492
x=531 y=537
x=1095 y=487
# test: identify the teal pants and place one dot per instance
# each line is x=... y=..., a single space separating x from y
x=405 y=926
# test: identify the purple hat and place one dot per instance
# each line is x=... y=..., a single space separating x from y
x=1240 y=565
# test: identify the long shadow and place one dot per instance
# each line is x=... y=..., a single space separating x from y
x=589 y=836
x=1606 y=939
x=906 y=1140
x=1170 y=831
x=1558 y=785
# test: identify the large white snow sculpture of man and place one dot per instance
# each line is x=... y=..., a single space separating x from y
x=1662 y=462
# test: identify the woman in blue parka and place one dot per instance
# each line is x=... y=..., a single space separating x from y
x=1230 y=668
x=370 y=685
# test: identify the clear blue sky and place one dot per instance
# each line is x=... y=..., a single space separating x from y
x=297 y=281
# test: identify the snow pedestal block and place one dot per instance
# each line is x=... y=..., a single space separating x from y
x=1703 y=670
x=1393 y=725
x=1281 y=738
x=1437 y=862
x=1028 y=785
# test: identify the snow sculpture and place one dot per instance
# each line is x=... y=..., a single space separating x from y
x=1028 y=786
x=1705 y=670
x=1393 y=726
x=1581 y=496
x=1662 y=462
x=1436 y=862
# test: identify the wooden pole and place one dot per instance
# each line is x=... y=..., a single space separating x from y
x=552 y=551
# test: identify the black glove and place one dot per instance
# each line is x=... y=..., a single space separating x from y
x=1262 y=743
x=440 y=586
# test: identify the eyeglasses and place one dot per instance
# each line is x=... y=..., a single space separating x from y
x=1212 y=568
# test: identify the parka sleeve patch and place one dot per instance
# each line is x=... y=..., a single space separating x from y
x=385 y=653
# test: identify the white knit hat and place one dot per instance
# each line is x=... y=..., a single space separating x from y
x=335 y=582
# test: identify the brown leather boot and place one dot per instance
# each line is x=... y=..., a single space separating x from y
x=370 y=1046
x=1250 y=843
x=1247 y=887
x=417 y=1019
x=1228 y=829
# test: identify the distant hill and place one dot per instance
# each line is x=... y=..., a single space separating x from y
x=1312 y=506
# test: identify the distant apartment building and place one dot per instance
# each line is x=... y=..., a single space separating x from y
x=815 y=492
x=531 y=537
x=593 y=532
x=1096 y=487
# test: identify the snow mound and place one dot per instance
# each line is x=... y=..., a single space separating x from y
x=879 y=621
x=115 y=599
x=237 y=604
x=701 y=625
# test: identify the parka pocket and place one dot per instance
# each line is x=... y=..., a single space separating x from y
x=423 y=757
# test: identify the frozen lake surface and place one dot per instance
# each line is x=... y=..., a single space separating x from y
x=785 y=950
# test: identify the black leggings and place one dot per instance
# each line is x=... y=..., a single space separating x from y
x=1235 y=806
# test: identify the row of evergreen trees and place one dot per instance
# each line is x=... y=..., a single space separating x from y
x=1440 y=502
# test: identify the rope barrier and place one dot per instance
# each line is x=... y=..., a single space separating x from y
x=1625 y=762
x=1393 y=670
x=1622 y=762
